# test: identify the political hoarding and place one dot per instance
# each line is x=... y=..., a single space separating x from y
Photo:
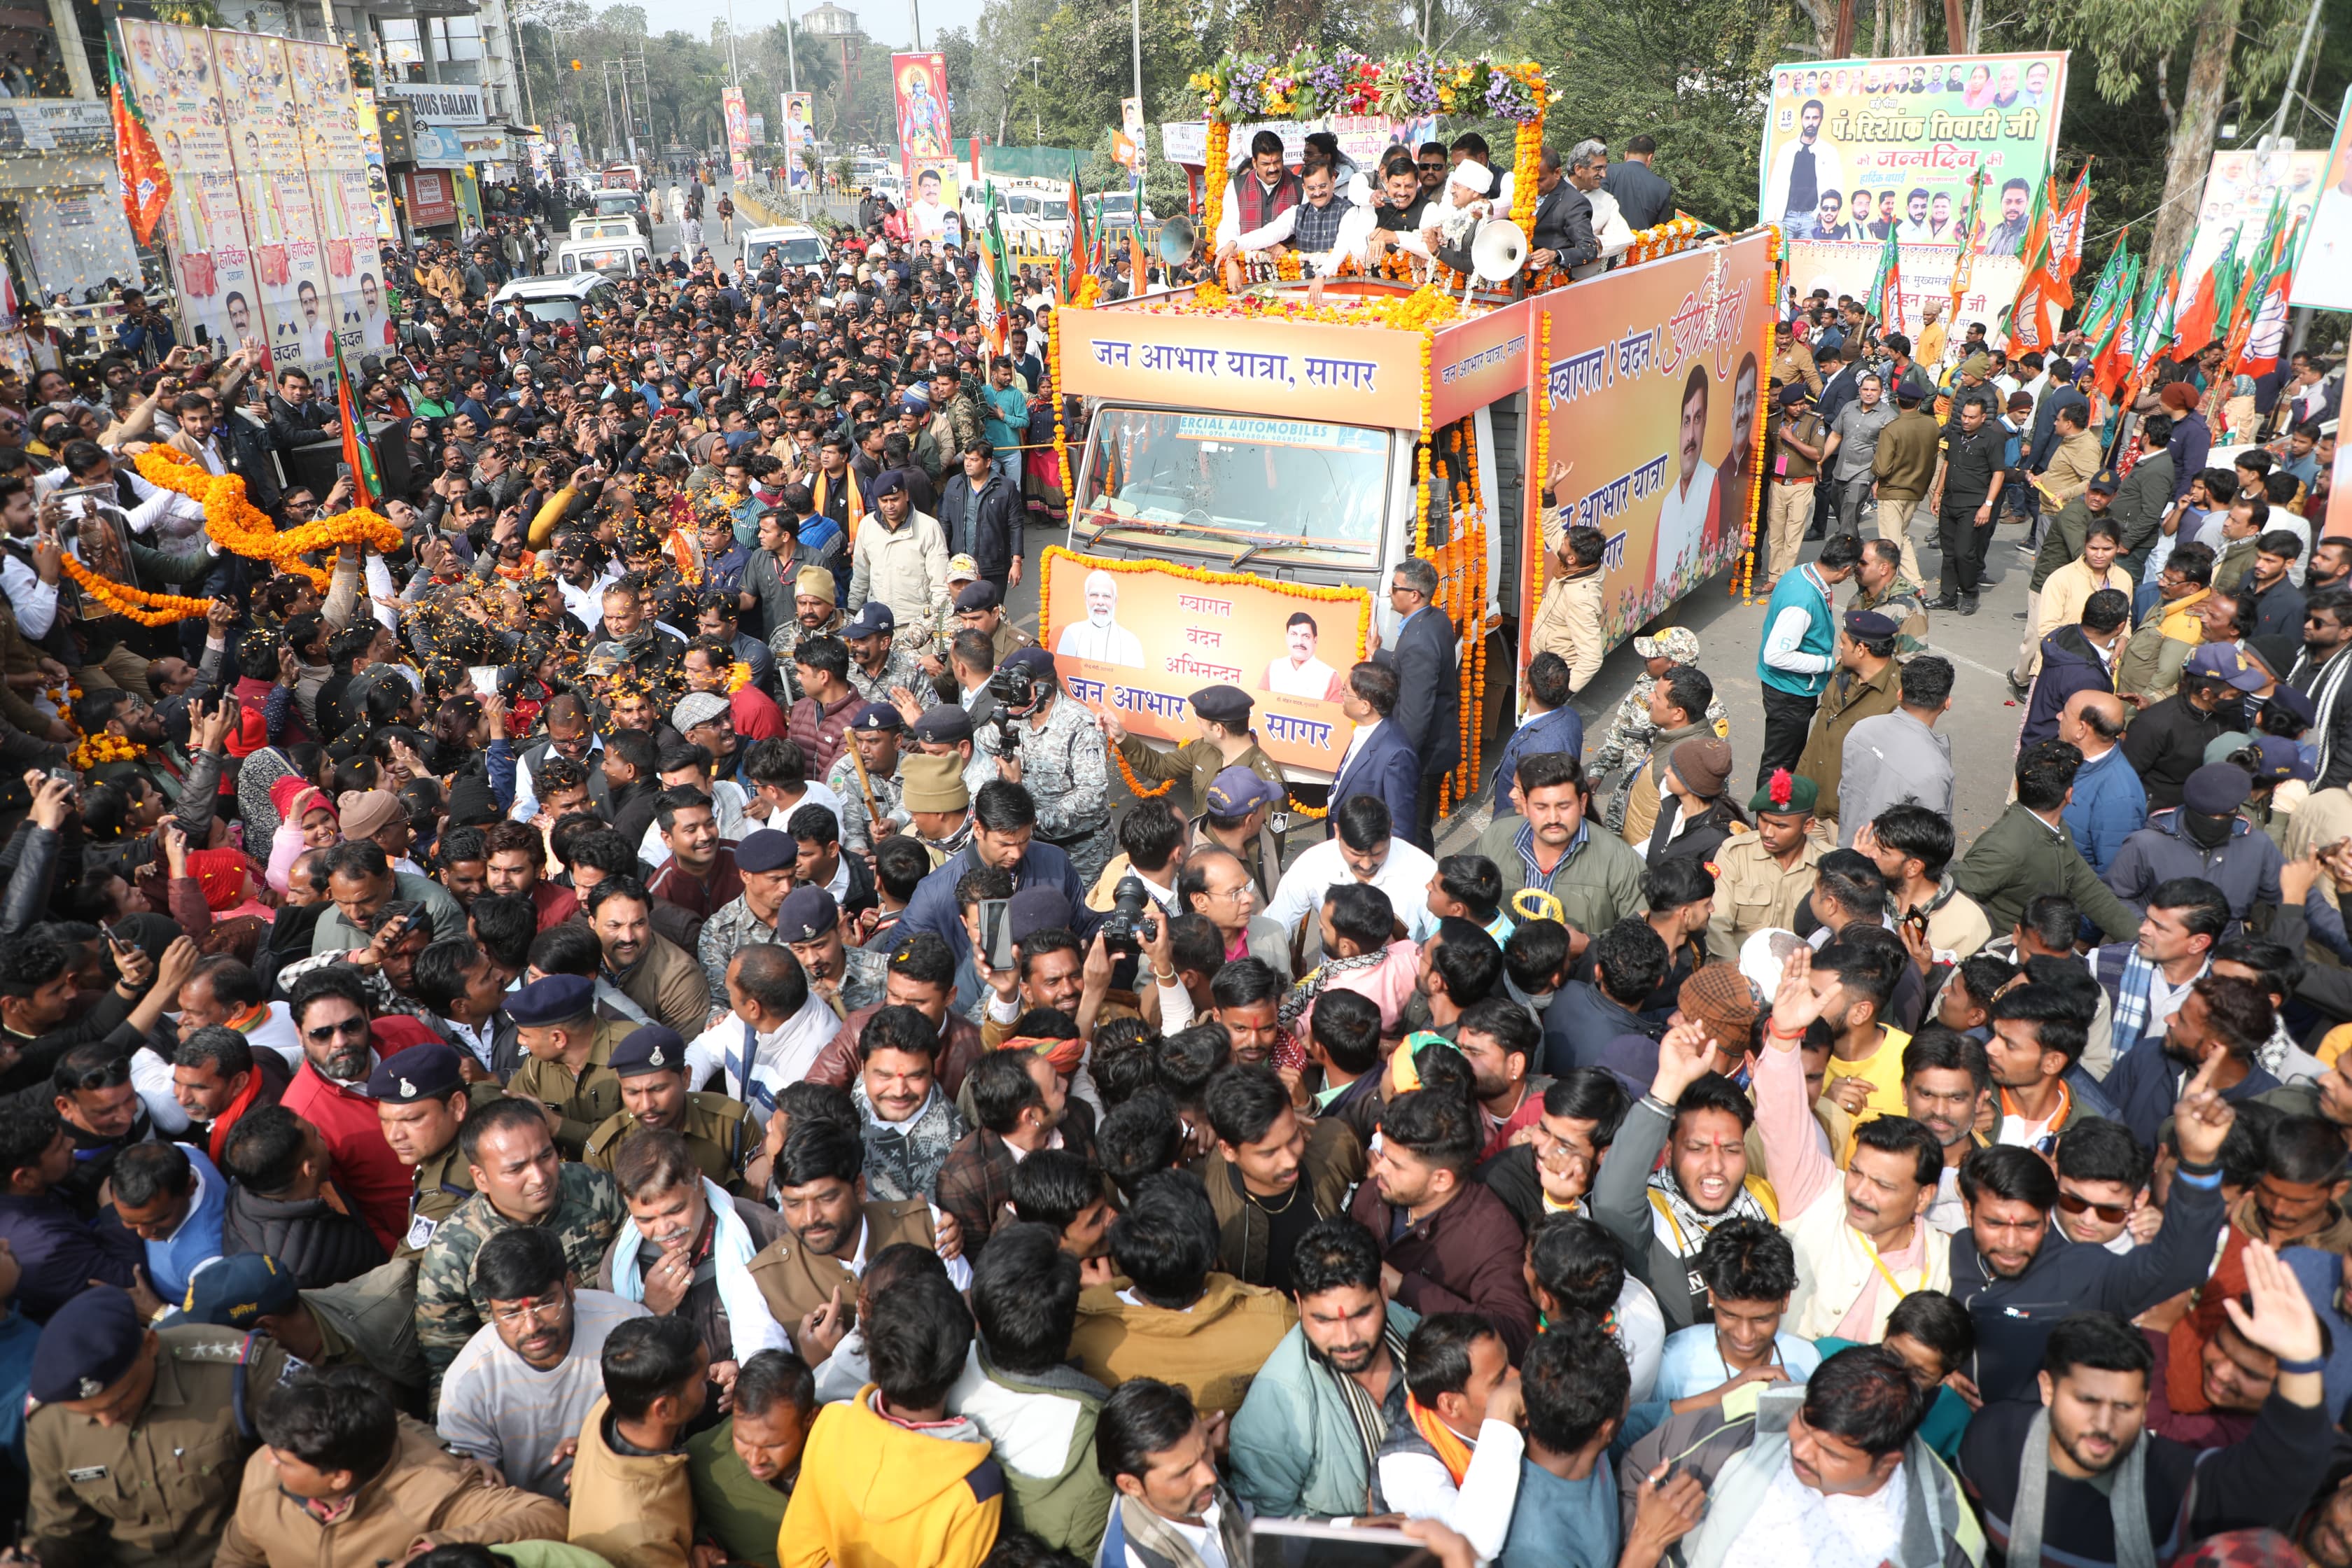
x=932 y=197
x=2322 y=272
x=1992 y=281
x=1903 y=138
x=918 y=91
x=274 y=221
x=379 y=180
x=1652 y=393
x=799 y=111
x=739 y=132
x=2234 y=210
x=1138 y=638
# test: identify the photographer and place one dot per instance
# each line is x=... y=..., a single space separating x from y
x=145 y=333
x=1054 y=748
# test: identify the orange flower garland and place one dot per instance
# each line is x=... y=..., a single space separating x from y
x=1215 y=174
x=1743 y=580
x=1136 y=785
x=243 y=529
x=1539 y=476
x=1061 y=437
x=1526 y=150
x=135 y=604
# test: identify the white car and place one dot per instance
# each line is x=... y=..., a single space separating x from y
x=559 y=298
x=793 y=246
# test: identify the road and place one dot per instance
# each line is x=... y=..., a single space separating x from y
x=1982 y=723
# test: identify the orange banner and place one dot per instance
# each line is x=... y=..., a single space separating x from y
x=1652 y=392
x=1353 y=375
x=1140 y=637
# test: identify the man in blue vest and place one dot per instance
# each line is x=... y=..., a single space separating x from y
x=1800 y=650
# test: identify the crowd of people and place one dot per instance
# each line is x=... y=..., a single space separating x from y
x=638 y=1028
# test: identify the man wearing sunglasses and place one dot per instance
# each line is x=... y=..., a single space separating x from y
x=330 y=1008
x=2103 y=1187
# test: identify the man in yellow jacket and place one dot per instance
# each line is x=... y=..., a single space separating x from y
x=632 y=1500
x=889 y=1479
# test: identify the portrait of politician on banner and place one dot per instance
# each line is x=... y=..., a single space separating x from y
x=1140 y=638
x=1653 y=427
x=1854 y=149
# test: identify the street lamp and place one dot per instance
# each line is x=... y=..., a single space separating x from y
x=1036 y=124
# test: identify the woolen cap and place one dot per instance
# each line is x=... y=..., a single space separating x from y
x=368 y=812
x=1704 y=764
x=928 y=783
x=816 y=583
x=1719 y=996
x=2217 y=789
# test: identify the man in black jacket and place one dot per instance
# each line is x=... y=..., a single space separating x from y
x=278 y=1167
x=2070 y=1449
x=1563 y=236
x=1973 y=481
x=2018 y=1275
x=983 y=513
x=296 y=418
x=1644 y=195
x=1428 y=683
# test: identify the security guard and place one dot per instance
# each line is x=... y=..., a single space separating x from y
x=868 y=782
x=651 y=1066
x=980 y=608
x=421 y=1098
x=139 y=1437
x=569 y=1070
x=1226 y=741
x=369 y=1320
x=1761 y=878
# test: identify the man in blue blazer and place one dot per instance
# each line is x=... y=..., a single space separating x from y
x=1429 y=686
x=1378 y=761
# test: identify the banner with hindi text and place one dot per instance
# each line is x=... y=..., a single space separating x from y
x=1855 y=148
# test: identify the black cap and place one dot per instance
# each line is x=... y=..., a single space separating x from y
x=429 y=1071
x=654 y=1048
x=943 y=725
x=1227 y=705
x=807 y=914
x=87 y=1346
x=979 y=595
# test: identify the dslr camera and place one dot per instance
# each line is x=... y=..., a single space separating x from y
x=1129 y=926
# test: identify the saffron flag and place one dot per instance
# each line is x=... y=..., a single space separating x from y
x=2264 y=339
x=2193 y=326
x=1885 y=303
x=1076 y=259
x=359 y=453
x=2066 y=229
x=146 y=183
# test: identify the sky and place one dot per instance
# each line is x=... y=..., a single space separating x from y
x=888 y=22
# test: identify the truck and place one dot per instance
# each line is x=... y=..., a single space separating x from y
x=1252 y=467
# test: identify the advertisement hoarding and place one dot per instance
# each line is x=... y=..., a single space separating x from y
x=799 y=109
x=1903 y=137
x=1138 y=639
x=2322 y=273
x=1652 y=393
x=739 y=132
x=2235 y=206
x=919 y=94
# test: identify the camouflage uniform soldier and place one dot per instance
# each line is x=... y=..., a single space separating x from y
x=522 y=1182
x=1627 y=745
x=874 y=732
x=880 y=661
x=1064 y=764
x=815 y=613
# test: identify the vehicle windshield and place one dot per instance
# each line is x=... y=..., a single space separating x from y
x=559 y=308
x=1235 y=485
x=613 y=202
x=799 y=252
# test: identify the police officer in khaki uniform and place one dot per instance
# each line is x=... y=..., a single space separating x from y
x=651 y=1066
x=421 y=1097
x=980 y=608
x=1761 y=878
x=1226 y=741
x=138 y=1437
x=570 y=1069
x=367 y=1320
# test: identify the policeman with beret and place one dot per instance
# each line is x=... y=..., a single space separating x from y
x=651 y=1065
x=868 y=783
x=137 y=1436
x=421 y=1097
x=948 y=730
x=1222 y=714
x=569 y=1071
x=765 y=860
x=1868 y=681
x=881 y=660
x=846 y=978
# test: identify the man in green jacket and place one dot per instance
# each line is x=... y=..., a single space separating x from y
x=742 y=1469
x=1905 y=465
x=1301 y=1446
x=2029 y=851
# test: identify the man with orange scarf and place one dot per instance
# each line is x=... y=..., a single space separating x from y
x=1454 y=1455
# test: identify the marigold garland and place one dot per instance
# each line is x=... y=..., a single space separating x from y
x=135 y=604
x=95 y=751
x=1743 y=581
x=243 y=529
x=1136 y=786
x=1215 y=175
